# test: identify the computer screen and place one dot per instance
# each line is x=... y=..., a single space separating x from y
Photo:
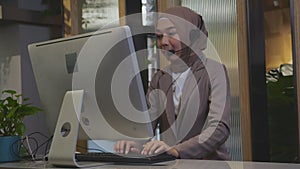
x=105 y=66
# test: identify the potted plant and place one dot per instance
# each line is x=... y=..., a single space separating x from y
x=13 y=109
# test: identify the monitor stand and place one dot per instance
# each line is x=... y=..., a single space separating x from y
x=63 y=147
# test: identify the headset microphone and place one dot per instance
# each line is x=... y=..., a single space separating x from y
x=194 y=35
x=172 y=51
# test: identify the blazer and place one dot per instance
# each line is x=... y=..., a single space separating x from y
x=202 y=125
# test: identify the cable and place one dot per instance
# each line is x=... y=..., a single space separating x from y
x=30 y=151
x=47 y=149
x=27 y=143
x=39 y=134
x=35 y=151
x=21 y=146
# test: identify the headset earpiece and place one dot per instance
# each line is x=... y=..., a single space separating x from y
x=196 y=33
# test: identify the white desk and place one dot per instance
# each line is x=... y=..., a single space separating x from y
x=178 y=164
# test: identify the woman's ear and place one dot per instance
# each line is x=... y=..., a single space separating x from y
x=194 y=35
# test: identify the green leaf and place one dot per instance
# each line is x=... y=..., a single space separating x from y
x=20 y=129
x=12 y=92
x=23 y=150
x=28 y=110
x=12 y=112
x=11 y=102
x=18 y=95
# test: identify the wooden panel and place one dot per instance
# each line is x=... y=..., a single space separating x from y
x=76 y=17
x=161 y=5
x=244 y=80
x=72 y=17
x=122 y=12
x=296 y=28
x=165 y=4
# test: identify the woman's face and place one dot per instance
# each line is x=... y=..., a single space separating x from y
x=168 y=38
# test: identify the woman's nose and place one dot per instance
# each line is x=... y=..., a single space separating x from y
x=165 y=40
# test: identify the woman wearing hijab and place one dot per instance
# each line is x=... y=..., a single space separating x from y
x=190 y=99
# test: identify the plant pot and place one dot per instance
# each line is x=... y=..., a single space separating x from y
x=9 y=148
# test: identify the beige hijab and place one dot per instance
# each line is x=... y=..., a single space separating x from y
x=186 y=21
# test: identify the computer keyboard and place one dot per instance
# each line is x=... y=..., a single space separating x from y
x=124 y=159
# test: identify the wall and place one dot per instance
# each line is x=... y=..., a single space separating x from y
x=8 y=51
x=14 y=39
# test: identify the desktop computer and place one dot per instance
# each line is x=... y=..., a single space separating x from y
x=104 y=65
x=90 y=88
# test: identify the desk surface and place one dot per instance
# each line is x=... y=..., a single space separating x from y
x=178 y=164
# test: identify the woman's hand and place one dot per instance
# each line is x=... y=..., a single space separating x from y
x=124 y=147
x=154 y=147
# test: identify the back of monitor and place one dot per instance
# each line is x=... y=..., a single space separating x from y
x=108 y=105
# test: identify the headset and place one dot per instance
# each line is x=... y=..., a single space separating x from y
x=195 y=33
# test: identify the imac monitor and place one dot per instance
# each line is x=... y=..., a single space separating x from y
x=103 y=64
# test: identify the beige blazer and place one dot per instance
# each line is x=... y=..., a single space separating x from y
x=202 y=125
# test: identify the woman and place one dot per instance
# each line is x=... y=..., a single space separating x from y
x=189 y=99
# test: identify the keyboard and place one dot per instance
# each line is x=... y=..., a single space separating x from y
x=124 y=159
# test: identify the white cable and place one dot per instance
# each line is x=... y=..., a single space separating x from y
x=30 y=151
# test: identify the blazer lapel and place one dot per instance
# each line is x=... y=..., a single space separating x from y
x=191 y=83
x=190 y=86
x=166 y=86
